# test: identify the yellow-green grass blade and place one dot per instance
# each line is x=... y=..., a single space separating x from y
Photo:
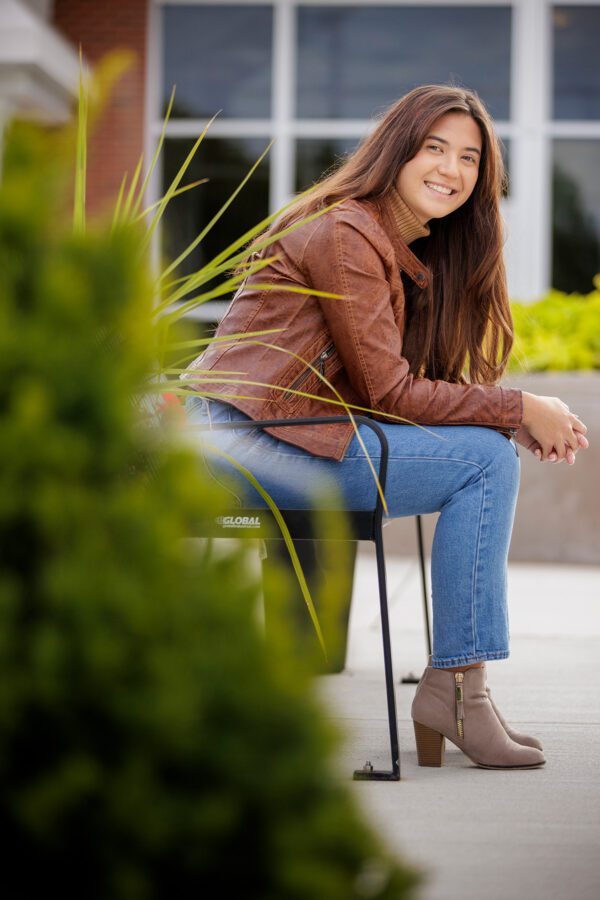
x=187 y=187
x=183 y=309
x=173 y=187
x=207 y=273
x=231 y=260
x=117 y=213
x=247 y=236
x=156 y=154
x=132 y=187
x=185 y=253
x=285 y=533
x=216 y=339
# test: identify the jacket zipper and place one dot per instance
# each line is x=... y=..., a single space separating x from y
x=242 y=285
x=509 y=428
x=319 y=361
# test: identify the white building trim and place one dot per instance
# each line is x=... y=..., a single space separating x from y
x=39 y=70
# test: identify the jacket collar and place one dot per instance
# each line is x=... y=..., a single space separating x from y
x=402 y=226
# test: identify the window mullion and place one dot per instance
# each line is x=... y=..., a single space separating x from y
x=283 y=151
x=531 y=85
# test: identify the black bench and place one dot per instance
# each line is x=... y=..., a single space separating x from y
x=244 y=522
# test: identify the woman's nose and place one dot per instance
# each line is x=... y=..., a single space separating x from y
x=449 y=165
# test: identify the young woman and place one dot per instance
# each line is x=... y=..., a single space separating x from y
x=421 y=334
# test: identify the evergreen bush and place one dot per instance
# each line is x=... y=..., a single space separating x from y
x=149 y=746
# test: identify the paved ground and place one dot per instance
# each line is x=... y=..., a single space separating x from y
x=485 y=834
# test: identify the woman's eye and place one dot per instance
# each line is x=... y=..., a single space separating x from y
x=435 y=147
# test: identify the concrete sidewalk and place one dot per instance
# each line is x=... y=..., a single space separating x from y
x=482 y=834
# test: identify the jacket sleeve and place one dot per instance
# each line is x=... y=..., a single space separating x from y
x=340 y=258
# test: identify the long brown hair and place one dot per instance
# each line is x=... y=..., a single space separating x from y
x=463 y=319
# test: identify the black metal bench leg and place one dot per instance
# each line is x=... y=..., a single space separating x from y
x=424 y=585
x=368 y=773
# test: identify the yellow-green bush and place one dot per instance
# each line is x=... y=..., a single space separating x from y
x=559 y=332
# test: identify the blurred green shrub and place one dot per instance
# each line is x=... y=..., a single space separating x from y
x=149 y=746
x=559 y=332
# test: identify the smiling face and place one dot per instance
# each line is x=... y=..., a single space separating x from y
x=449 y=158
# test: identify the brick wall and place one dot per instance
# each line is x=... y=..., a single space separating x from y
x=118 y=137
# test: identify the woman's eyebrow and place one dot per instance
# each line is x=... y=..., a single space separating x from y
x=442 y=141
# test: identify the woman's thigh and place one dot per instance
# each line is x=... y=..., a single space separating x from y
x=429 y=465
x=426 y=466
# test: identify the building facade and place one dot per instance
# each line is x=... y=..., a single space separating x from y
x=310 y=76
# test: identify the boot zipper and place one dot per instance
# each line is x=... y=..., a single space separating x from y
x=320 y=361
x=460 y=711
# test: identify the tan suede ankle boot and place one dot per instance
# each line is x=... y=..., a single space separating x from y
x=456 y=705
x=517 y=736
x=525 y=739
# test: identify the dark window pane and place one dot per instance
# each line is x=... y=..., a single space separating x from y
x=317 y=156
x=576 y=69
x=353 y=60
x=219 y=58
x=225 y=161
x=576 y=215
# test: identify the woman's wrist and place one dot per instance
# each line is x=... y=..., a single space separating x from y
x=529 y=401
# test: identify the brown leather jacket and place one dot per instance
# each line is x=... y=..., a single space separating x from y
x=356 y=342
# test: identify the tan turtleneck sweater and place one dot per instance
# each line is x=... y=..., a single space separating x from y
x=408 y=225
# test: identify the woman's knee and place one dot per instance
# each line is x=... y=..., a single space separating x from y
x=502 y=461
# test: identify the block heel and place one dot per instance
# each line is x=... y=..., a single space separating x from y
x=430 y=745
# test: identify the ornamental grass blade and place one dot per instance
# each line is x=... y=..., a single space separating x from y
x=189 y=249
x=155 y=155
x=285 y=534
x=173 y=187
x=187 y=187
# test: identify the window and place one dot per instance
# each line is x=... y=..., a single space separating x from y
x=576 y=31
x=353 y=60
x=316 y=156
x=219 y=58
x=575 y=214
x=224 y=161
x=575 y=147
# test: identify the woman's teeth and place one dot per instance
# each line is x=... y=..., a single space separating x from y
x=447 y=192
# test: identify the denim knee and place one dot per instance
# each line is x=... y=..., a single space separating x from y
x=504 y=465
x=506 y=461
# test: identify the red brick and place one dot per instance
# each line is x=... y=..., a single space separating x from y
x=118 y=139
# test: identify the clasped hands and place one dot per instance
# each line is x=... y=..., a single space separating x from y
x=526 y=439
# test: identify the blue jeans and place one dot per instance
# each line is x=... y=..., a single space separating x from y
x=469 y=474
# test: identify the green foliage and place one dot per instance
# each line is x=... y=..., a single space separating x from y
x=560 y=332
x=150 y=747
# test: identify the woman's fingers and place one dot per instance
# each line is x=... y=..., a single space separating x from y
x=577 y=424
x=569 y=455
x=583 y=441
